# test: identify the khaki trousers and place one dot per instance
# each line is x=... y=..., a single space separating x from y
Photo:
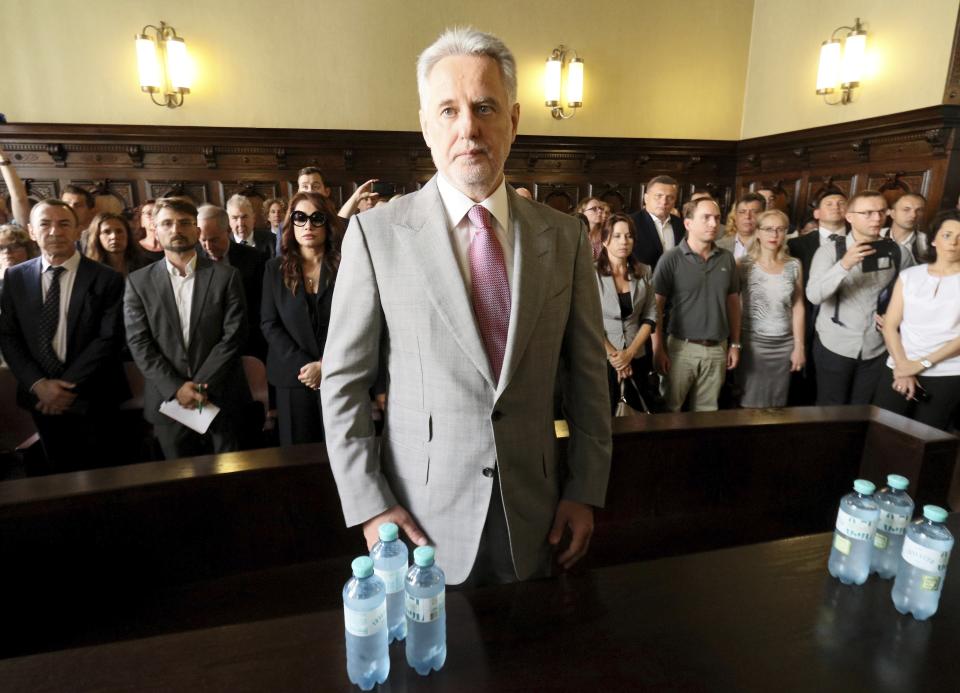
x=697 y=371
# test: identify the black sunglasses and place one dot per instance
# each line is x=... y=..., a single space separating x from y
x=316 y=219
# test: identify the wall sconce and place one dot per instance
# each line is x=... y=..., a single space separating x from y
x=163 y=65
x=842 y=63
x=554 y=83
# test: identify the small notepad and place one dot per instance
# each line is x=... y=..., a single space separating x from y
x=194 y=419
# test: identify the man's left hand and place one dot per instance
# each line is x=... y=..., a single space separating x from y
x=579 y=518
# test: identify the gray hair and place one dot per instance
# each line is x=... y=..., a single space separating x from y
x=467 y=41
x=239 y=200
x=218 y=213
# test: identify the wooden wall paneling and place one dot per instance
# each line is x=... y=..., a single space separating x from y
x=563 y=197
x=195 y=190
x=825 y=179
x=617 y=195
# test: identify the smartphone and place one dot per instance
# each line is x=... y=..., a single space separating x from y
x=921 y=395
x=883 y=257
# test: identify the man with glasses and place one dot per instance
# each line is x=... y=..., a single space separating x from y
x=848 y=347
x=745 y=213
x=186 y=323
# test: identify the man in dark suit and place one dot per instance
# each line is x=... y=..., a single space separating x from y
x=185 y=320
x=216 y=245
x=242 y=220
x=657 y=229
x=61 y=334
x=829 y=209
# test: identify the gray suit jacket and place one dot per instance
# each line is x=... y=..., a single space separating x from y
x=728 y=242
x=218 y=327
x=621 y=332
x=400 y=301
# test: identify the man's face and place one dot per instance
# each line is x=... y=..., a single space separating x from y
x=831 y=210
x=659 y=199
x=55 y=230
x=866 y=216
x=312 y=182
x=907 y=212
x=468 y=123
x=241 y=221
x=215 y=241
x=769 y=197
x=275 y=215
x=747 y=218
x=79 y=205
x=702 y=228
x=176 y=231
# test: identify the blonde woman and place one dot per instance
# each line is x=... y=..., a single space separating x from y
x=771 y=286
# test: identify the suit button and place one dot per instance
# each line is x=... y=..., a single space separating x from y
x=497 y=415
x=488 y=472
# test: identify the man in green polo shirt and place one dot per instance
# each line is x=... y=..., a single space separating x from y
x=699 y=282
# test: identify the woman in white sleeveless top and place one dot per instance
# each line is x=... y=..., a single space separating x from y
x=922 y=332
x=771 y=290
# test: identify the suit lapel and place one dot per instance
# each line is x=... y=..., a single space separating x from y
x=161 y=282
x=203 y=275
x=532 y=249
x=34 y=294
x=302 y=320
x=81 y=285
x=441 y=278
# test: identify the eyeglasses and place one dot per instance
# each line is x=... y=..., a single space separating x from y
x=595 y=208
x=879 y=213
x=775 y=229
x=167 y=224
x=301 y=218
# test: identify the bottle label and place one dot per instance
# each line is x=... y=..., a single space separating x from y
x=891 y=523
x=926 y=559
x=854 y=527
x=880 y=540
x=393 y=579
x=364 y=623
x=841 y=544
x=930 y=583
x=425 y=609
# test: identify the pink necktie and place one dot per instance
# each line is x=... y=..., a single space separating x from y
x=491 y=292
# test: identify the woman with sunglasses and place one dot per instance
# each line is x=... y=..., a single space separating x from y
x=295 y=313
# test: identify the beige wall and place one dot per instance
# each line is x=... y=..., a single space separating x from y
x=908 y=45
x=67 y=62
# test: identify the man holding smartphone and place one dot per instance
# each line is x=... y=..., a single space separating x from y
x=848 y=348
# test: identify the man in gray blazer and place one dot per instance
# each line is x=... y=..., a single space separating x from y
x=185 y=320
x=470 y=297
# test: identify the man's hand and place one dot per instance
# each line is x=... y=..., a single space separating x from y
x=54 y=396
x=398 y=516
x=733 y=358
x=310 y=374
x=855 y=254
x=662 y=361
x=190 y=395
x=579 y=518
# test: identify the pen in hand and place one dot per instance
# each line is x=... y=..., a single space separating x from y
x=200 y=389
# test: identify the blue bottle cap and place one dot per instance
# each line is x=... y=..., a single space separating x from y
x=362 y=566
x=388 y=531
x=898 y=482
x=864 y=487
x=423 y=556
x=934 y=513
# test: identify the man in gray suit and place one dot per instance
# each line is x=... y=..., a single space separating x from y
x=186 y=322
x=470 y=297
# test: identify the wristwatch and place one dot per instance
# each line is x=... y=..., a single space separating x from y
x=735 y=345
x=926 y=363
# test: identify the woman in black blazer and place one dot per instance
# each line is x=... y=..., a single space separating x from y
x=295 y=313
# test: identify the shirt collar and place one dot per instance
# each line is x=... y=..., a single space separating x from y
x=240 y=240
x=70 y=264
x=660 y=224
x=457 y=204
x=685 y=247
x=174 y=272
x=826 y=233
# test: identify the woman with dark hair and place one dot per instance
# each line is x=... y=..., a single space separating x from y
x=922 y=331
x=295 y=313
x=596 y=212
x=110 y=242
x=628 y=307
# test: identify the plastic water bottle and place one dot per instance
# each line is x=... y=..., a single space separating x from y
x=853 y=538
x=923 y=568
x=896 y=510
x=365 y=622
x=426 y=613
x=390 y=565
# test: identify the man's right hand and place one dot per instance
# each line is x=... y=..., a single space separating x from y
x=189 y=395
x=398 y=516
x=54 y=396
x=855 y=254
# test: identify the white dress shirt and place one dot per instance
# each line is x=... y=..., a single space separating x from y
x=67 y=279
x=826 y=233
x=665 y=229
x=183 y=293
x=240 y=240
x=456 y=205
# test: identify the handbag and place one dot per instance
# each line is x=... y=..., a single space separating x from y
x=623 y=408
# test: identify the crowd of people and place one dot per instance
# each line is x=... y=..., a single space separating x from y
x=862 y=306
